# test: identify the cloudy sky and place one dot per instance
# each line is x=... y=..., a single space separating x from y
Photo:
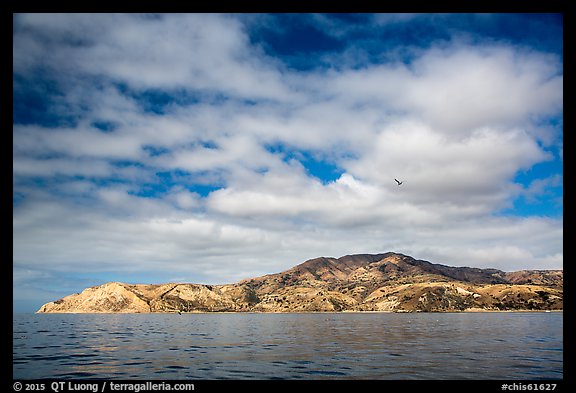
x=211 y=148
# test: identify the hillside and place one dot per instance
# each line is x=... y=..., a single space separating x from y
x=364 y=282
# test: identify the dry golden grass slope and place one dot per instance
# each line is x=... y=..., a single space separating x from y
x=366 y=282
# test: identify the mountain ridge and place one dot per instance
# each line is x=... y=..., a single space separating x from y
x=357 y=282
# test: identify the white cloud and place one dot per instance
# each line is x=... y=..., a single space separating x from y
x=195 y=244
x=457 y=123
x=473 y=171
x=77 y=142
x=199 y=51
x=183 y=199
x=24 y=166
x=540 y=187
x=460 y=88
x=468 y=88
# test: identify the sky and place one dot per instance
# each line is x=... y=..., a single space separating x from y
x=210 y=148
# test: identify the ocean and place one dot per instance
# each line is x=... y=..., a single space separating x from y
x=246 y=346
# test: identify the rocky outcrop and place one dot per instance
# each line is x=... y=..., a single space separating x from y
x=110 y=297
x=381 y=282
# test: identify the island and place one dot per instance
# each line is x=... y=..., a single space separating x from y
x=389 y=282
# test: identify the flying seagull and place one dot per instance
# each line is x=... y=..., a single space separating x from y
x=398 y=181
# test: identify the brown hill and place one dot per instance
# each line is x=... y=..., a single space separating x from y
x=365 y=282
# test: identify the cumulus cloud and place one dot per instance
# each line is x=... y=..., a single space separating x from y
x=185 y=146
x=460 y=88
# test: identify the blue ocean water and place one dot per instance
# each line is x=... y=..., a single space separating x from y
x=517 y=345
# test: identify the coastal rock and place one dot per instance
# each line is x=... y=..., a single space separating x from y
x=365 y=282
x=111 y=297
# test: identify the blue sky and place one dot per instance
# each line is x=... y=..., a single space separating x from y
x=211 y=148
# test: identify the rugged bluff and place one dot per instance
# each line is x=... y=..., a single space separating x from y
x=381 y=282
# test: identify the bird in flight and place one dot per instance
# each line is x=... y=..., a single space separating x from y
x=399 y=182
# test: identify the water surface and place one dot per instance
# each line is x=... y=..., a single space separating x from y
x=289 y=346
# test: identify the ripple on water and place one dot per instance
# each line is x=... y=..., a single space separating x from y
x=289 y=346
